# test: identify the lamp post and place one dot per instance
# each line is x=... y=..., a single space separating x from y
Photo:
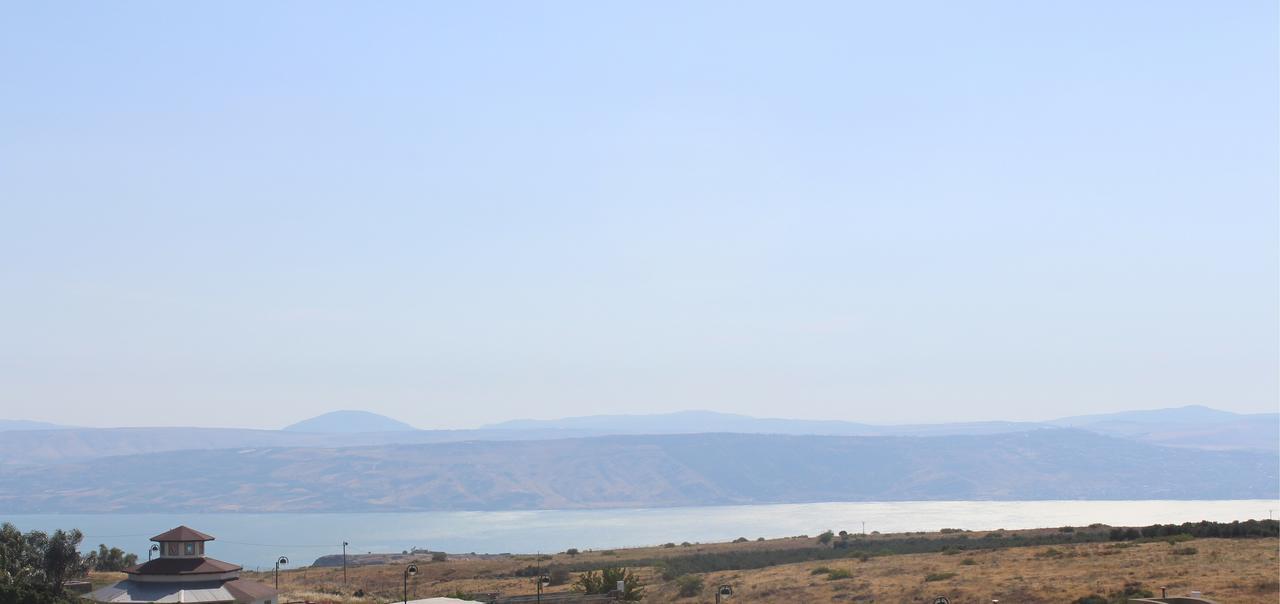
x=543 y=581
x=412 y=569
x=154 y=549
x=723 y=590
x=279 y=561
x=344 y=562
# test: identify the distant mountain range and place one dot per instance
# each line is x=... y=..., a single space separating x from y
x=7 y=425
x=359 y=461
x=1194 y=427
x=695 y=422
x=348 y=422
x=640 y=471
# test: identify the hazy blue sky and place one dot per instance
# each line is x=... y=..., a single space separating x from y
x=242 y=214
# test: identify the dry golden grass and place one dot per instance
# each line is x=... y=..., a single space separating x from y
x=1241 y=571
x=1235 y=571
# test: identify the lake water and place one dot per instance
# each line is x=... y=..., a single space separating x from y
x=255 y=540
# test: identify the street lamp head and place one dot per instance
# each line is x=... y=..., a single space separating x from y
x=282 y=561
x=544 y=580
x=411 y=570
x=726 y=590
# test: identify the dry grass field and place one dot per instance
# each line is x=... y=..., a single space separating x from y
x=1244 y=571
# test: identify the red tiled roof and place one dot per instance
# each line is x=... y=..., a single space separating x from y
x=182 y=533
x=249 y=591
x=182 y=566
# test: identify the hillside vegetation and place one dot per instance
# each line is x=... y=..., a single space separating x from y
x=639 y=471
x=1060 y=565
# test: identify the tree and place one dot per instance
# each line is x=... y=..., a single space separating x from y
x=110 y=560
x=605 y=581
x=62 y=558
x=826 y=537
x=38 y=561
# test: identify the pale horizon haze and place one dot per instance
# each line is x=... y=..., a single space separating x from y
x=245 y=214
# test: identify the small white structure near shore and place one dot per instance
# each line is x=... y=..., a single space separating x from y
x=182 y=573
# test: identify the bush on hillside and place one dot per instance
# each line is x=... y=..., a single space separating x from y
x=688 y=586
x=1091 y=599
x=604 y=581
x=27 y=594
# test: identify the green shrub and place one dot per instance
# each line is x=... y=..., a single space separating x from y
x=1185 y=551
x=558 y=576
x=838 y=574
x=592 y=583
x=1132 y=590
x=968 y=562
x=25 y=594
x=938 y=576
x=689 y=586
x=821 y=570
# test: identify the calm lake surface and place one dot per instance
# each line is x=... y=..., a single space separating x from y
x=254 y=540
